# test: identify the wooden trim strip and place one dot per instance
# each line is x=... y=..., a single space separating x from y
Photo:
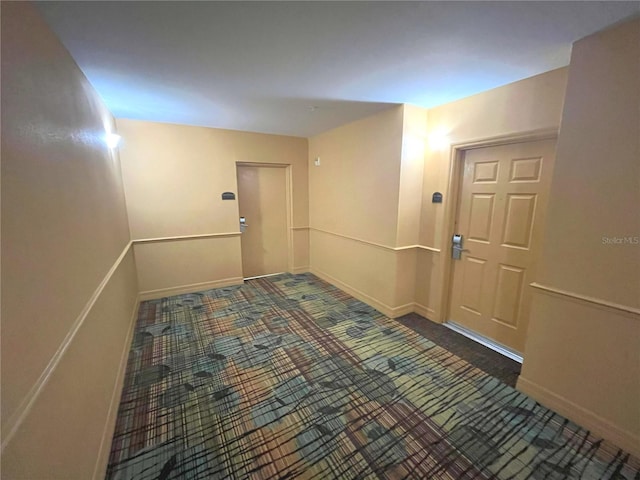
x=429 y=249
x=235 y=234
x=25 y=406
x=586 y=298
x=374 y=244
x=185 y=237
x=366 y=242
x=499 y=140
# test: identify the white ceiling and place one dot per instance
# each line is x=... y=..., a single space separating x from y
x=300 y=68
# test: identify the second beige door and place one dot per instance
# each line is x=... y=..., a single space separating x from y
x=262 y=199
x=500 y=216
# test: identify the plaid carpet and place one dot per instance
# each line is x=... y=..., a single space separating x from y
x=289 y=377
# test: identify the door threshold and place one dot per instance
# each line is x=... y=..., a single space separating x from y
x=263 y=276
x=487 y=342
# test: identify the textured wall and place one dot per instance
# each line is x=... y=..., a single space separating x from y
x=583 y=348
x=174 y=176
x=528 y=105
x=64 y=228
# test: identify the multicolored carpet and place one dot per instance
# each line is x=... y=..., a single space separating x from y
x=289 y=377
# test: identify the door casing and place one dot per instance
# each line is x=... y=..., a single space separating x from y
x=288 y=199
x=456 y=166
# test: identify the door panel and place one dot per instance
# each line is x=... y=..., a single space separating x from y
x=500 y=215
x=518 y=221
x=473 y=278
x=508 y=294
x=481 y=217
x=262 y=200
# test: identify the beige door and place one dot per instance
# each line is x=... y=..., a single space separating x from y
x=262 y=199
x=500 y=216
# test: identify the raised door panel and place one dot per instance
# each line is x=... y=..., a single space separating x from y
x=485 y=172
x=473 y=276
x=481 y=217
x=508 y=295
x=526 y=169
x=518 y=220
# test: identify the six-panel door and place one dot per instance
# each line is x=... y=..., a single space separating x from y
x=501 y=216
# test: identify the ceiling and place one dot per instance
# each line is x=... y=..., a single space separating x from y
x=300 y=68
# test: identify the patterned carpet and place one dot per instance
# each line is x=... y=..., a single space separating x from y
x=288 y=377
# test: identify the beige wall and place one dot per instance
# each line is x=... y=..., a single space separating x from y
x=414 y=134
x=68 y=430
x=67 y=302
x=354 y=191
x=355 y=209
x=583 y=348
x=363 y=220
x=174 y=267
x=533 y=104
x=174 y=176
x=372 y=191
x=366 y=271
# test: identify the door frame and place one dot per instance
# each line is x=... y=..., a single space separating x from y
x=288 y=199
x=456 y=170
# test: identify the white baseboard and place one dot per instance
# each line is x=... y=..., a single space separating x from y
x=304 y=269
x=194 y=287
x=100 y=469
x=580 y=415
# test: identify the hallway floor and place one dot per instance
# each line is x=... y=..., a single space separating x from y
x=290 y=377
x=487 y=360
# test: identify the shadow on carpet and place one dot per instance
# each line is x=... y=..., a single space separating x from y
x=289 y=377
